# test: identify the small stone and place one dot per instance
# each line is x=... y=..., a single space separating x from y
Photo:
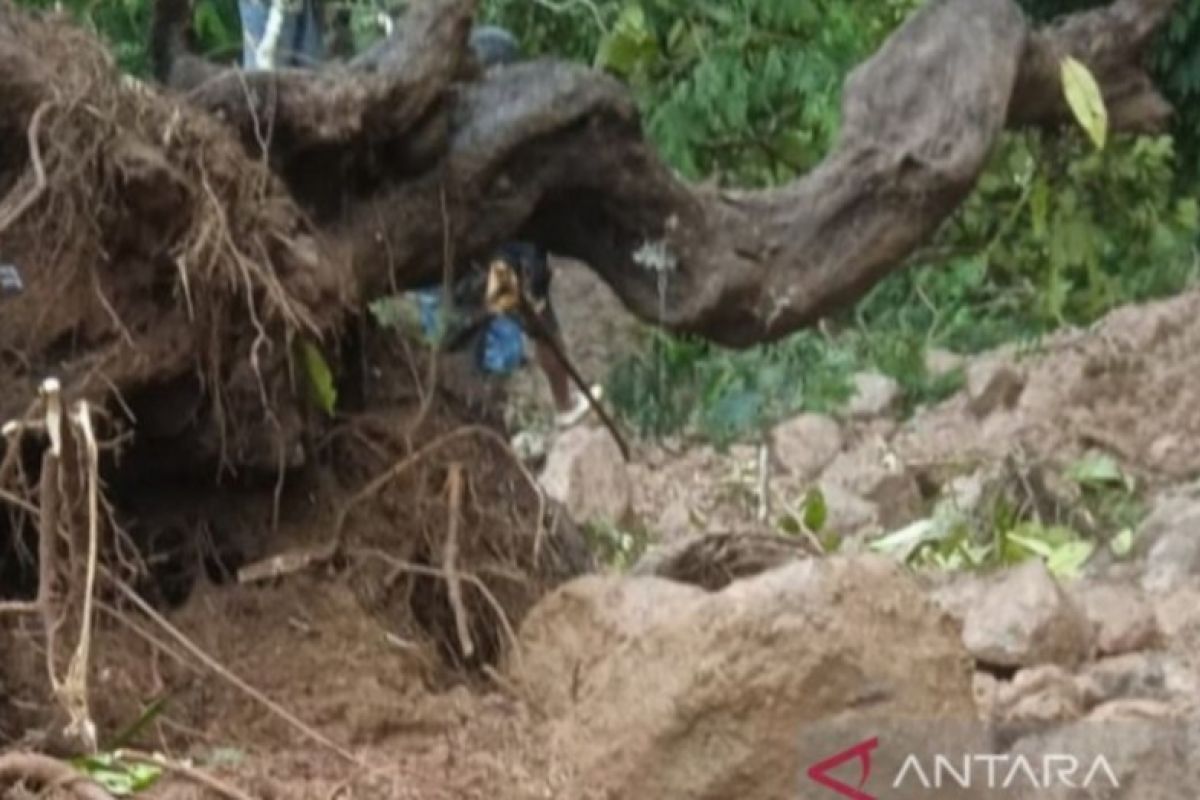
x=1178 y=616
x=875 y=395
x=1121 y=619
x=874 y=473
x=1024 y=619
x=586 y=473
x=846 y=513
x=993 y=385
x=804 y=445
x=1042 y=694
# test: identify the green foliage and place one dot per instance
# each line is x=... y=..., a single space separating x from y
x=747 y=92
x=1004 y=532
x=618 y=546
x=118 y=776
x=319 y=377
x=680 y=383
x=1056 y=233
x=743 y=90
x=1176 y=61
x=1084 y=98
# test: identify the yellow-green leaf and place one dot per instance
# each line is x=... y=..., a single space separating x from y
x=320 y=378
x=1086 y=102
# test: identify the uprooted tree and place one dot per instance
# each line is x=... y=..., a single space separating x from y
x=177 y=241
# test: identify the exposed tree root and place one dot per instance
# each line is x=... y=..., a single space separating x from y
x=41 y=773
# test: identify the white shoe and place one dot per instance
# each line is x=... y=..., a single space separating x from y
x=567 y=419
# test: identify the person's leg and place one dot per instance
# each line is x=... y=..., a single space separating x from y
x=557 y=376
x=309 y=41
x=254 y=22
x=570 y=405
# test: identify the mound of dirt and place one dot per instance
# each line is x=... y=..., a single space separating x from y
x=662 y=690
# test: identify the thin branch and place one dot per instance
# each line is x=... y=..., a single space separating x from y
x=39 y=169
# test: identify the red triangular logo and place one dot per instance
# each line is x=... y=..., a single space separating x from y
x=861 y=752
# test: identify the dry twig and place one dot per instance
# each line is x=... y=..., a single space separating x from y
x=454 y=491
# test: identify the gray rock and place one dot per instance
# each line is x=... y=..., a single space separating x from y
x=992 y=385
x=875 y=395
x=958 y=594
x=848 y=514
x=1170 y=538
x=1122 y=621
x=1178 y=618
x=1138 y=676
x=1025 y=619
x=804 y=445
x=1143 y=758
x=585 y=472
x=1046 y=694
x=874 y=473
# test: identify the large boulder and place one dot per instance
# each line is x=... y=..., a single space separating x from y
x=661 y=690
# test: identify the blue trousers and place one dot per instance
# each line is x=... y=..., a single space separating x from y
x=300 y=41
x=500 y=349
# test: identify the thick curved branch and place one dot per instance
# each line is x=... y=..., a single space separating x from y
x=303 y=109
x=557 y=152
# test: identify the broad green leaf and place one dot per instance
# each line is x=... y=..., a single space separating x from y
x=118 y=777
x=1068 y=559
x=630 y=46
x=903 y=543
x=816 y=513
x=1031 y=545
x=1086 y=102
x=320 y=378
x=1098 y=469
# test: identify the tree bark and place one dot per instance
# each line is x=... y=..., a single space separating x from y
x=556 y=152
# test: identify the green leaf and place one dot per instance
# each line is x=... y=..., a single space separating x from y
x=1086 y=102
x=320 y=378
x=1068 y=559
x=630 y=47
x=816 y=513
x=118 y=777
x=1099 y=470
x=903 y=543
x=148 y=715
x=1121 y=545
